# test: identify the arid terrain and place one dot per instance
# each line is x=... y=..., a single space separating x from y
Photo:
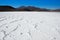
x=29 y=25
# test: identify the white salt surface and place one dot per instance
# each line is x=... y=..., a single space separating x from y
x=29 y=25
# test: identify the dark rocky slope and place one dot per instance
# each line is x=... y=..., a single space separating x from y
x=6 y=8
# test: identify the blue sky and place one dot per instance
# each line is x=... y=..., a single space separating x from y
x=50 y=4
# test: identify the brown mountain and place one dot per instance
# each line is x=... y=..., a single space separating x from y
x=6 y=8
x=26 y=8
x=31 y=8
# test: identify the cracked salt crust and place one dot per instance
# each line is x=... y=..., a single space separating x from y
x=29 y=26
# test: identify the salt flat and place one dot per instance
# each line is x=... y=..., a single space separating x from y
x=29 y=25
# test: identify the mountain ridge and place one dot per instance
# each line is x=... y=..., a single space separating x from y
x=26 y=8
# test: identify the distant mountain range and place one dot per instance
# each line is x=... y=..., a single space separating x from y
x=26 y=8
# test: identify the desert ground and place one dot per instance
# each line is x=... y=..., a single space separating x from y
x=29 y=25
